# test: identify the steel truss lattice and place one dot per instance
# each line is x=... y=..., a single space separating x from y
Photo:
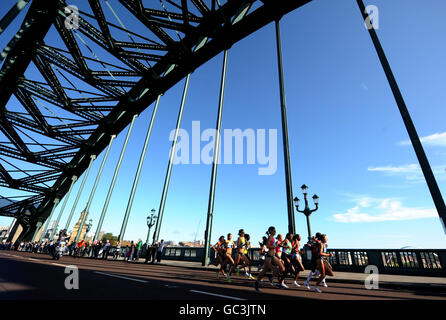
x=49 y=127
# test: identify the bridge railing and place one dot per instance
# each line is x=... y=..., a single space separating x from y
x=428 y=262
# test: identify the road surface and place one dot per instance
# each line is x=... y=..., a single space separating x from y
x=37 y=276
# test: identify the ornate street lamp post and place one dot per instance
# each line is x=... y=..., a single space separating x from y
x=151 y=220
x=307 y=211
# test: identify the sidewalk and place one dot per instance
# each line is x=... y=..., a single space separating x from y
x=385 y=280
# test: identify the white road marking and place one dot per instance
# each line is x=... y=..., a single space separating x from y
x=216 y=295
x=122 y=277
x=59 y=265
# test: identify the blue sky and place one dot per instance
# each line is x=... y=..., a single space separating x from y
x=347 y=138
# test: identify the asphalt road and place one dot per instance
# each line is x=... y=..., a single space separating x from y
x=37 y=276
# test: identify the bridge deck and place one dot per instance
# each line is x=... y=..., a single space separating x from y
x=352 y=277
x=36 y=276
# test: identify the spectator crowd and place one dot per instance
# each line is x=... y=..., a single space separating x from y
x=99 y=249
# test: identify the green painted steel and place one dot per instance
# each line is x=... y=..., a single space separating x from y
x=67 y=196
x=410 y=127
x=286 y=147
x=115 y=175
x=138 y=171
x=48 y=220
x=217 y=142
x=93 y=191
x=92 y=157
x=38 y=225
x=171 y=158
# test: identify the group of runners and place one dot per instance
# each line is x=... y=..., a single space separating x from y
x=224 y=248
x=281 y=257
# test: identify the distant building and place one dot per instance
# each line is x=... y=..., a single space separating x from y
x=89 y=237
x=3 y=232
x=76 y=228
x=193 y=244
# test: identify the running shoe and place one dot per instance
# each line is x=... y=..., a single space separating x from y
x=252 y=277
x=295 y=284
x=228 y=278
x=271 y=280
x=283 y=285
x=316 y=289
x=324 y=284
x=307 y=285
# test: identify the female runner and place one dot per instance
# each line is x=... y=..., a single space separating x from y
x=272 y=263
x=286 y=258
x=322 y=264
x=219 y=247
x=239 y=257
x=247 y=247
x=296 y=259
x=263 y=252
x=229 y=245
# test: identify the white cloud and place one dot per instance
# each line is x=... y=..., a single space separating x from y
x=382 y=210
x=407 y=168
x=436 y=140
x=412 y=172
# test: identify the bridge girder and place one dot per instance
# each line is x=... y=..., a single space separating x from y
x=183 y=36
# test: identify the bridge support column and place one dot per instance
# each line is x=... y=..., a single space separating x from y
x=410 y=127
x=38 y=225
x=48 y=221
x=286 y=147
x=171 y=158
x=138 y=171
x=13 y=230
x=92 y=157
x=67 y=196
x=93 y=191
x=217 y=142
x=115 y=175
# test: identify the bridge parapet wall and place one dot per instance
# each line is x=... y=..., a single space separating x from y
x=416 y=262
